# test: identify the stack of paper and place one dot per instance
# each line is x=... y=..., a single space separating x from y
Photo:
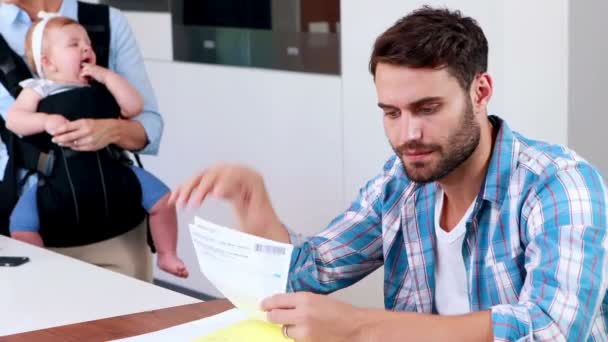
x=244 y=268
x=249 y=330
x=230 y=326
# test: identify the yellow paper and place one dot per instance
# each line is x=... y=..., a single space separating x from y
x=247 y=331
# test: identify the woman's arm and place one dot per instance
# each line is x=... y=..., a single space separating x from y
x=127 y=61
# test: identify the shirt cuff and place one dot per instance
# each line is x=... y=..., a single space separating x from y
x=3 y=159
x=154 y=130
x=297 y=240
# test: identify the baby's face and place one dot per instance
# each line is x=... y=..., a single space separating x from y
x=68 y=48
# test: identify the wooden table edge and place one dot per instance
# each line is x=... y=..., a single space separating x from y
x=125 y=325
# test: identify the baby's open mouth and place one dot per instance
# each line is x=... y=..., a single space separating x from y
x=85 y=61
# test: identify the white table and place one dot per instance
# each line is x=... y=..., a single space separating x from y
x=52 y=290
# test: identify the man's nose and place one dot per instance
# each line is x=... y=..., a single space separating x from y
x=410 y=128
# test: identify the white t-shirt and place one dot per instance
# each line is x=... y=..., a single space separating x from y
x=451 y=286
x=46 y=87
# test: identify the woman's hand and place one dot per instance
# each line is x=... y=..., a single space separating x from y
x=88 y=134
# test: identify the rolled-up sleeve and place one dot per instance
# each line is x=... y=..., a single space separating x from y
x=346 y=251
x=565 y=259
x=127 y=60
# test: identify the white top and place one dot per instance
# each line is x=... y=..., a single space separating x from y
x=52 y=290
x=46 y=87
x=451 y=286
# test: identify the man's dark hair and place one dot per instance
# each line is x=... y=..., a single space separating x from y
x=434 y=38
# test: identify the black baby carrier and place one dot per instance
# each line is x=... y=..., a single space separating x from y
x=82 y=197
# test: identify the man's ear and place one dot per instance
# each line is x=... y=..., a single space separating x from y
x=481 y=92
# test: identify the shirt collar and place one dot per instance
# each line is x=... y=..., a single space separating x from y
x=502 y=163
x=9 y=14
x=69 y=8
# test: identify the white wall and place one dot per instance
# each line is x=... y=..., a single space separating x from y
x=154 y=34
x=536 y=68
x=588 y=77
x=286 y=125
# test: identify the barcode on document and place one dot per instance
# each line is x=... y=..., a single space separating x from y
x=275 y=250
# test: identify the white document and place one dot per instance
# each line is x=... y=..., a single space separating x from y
x=192 y=330
x=244 y=268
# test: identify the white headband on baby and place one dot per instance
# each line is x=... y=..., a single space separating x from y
x=37 y=36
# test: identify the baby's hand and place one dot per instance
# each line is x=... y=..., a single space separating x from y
x=95 y=72
x=53 y=122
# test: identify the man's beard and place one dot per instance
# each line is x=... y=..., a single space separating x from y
x=459 y=147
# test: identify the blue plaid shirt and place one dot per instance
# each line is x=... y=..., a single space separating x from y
x=534 y=251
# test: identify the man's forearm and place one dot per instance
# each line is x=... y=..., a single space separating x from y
x=279 y=233
x=380 y=325
x=132 y=135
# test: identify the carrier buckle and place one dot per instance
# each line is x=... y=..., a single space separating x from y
x=46 y=161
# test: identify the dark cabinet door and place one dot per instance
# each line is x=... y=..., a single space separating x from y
x=139 y=5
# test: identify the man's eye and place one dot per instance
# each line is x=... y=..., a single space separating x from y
x=427 y=109
x=392 y=114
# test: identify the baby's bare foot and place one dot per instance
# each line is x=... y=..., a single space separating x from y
x=170 y=263
x=32 y=238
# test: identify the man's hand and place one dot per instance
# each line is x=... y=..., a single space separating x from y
x=96 y=72
x=245 y=189
x=88 y=134
x=53 y=122
x=310 y=317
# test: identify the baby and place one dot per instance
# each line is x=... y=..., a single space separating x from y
x=59 y=51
